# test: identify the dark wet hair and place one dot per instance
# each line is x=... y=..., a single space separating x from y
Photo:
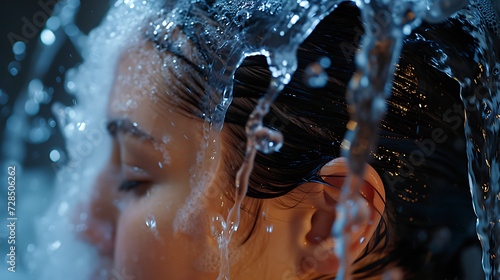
x=421 y=153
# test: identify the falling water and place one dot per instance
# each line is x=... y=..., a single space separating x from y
x=479 y=93
x=287 y=25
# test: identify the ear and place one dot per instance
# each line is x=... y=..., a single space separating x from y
x=318 y=245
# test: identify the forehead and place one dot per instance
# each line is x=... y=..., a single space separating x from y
x=147 y=72
x=147 y=87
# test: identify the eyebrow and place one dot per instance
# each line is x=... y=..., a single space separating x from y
x=125 y=125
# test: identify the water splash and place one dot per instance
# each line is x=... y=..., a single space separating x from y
x=482 y=129
x=286 y=26
x=387 y=23
x=480 y=88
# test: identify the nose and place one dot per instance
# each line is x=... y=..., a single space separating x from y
x=99 y=214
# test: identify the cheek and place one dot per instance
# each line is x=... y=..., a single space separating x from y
x=148 y=247
x=141 y=240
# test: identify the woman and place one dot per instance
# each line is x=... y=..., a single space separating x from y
x=166 y=189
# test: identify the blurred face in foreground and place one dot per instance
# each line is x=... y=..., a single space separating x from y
x=157 y=205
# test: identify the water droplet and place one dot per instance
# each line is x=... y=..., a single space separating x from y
x=19 y=48
x=316 y=77
x=52 y=123
x=496 y=70
x=34 y=86
x=269 y=228
x=53 y=23
x=54 y=155
x=151 y=222
x=70 y=86
x=14 y=68
x=63 y=207
x=31 y=247
x=48 y=37
x=55 y=245
x=267 y=140
x=31 y=107
x=81 y=126
x=407 y=29
x=325 y=62
x=72 y=30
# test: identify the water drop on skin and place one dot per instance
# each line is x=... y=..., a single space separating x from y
x=151 y=222
x=269 y=229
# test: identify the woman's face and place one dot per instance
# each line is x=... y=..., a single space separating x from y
x=157 y=204
x=151 y=195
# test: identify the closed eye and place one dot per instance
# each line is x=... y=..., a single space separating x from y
x=130 y=185
x=136 y=187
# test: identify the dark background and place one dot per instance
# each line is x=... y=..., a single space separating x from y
x=14 y=15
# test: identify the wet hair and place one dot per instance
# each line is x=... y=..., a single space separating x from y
x=420 y=157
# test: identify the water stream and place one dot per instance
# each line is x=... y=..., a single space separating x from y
x=479 y=93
